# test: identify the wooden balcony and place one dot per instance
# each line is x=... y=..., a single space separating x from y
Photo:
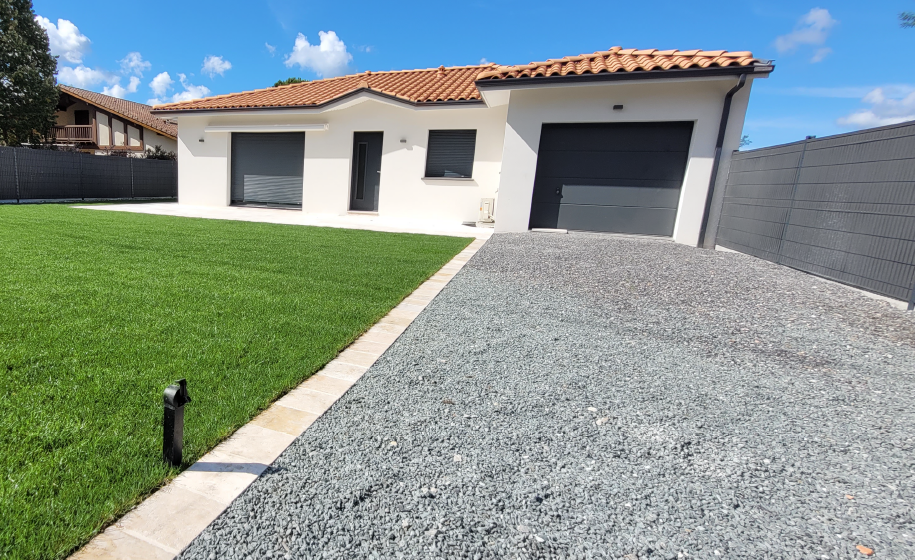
x=74 y=133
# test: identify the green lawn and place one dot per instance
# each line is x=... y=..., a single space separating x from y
x=100 y=311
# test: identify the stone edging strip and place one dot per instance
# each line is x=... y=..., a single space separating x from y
x=166 y=522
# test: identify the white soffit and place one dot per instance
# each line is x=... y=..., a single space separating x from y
x=267 y=128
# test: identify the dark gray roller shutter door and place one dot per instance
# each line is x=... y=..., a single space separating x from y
x=267 y=168
x=619 y=178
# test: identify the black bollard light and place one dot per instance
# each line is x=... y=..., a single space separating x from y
x=175 y=397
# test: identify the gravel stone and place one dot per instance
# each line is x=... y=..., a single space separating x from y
x=738 y=409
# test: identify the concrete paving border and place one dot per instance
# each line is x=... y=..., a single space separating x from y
x=166 y=522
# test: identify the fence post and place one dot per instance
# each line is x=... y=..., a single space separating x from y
x=797 y=177
x=912 y=299
x=131 y=176
x=16 y=172
x=82 y=193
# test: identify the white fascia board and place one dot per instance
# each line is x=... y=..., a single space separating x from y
x=267 y=128
x=488 y=92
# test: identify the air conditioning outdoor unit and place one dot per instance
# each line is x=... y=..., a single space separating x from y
x=487 y=206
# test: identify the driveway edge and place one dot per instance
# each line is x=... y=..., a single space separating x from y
x=166 y=522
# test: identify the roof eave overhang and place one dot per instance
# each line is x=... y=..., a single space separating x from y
x=493 y=84
x=330 y=104
x=121 y=115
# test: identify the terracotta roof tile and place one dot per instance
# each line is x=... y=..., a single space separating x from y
x=417 y=86
x=618 y=59
x=136 y=112
x=458 y=83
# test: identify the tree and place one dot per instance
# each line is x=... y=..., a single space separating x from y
x=158 y=152
x=28 y=89
x=745 y=141
x=907 y=19
x=289 y=81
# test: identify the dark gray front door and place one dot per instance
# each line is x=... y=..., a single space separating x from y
x=366 y=171
x=267 y=168
x=620 y=177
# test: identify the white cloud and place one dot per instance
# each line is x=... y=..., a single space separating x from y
x=812 y=29
x=190 y=91
x=484 y=61
x=83 y=77
x=845 y=92
x=161 y=83
x=328 y=59
x=65 y=39
x=133 y=63
x=820 y=54
x=213 y=65
x=119 y=91
x=884 y=110
x=270 y=48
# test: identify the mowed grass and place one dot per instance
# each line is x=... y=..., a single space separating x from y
x=100 y=311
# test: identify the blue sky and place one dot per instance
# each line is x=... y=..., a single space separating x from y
x=840 y=65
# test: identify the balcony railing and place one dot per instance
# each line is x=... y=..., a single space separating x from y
x=73 y=133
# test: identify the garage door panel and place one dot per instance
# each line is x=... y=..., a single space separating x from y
x=547 y=185
x=623 y=137
x=608 y=219
x=591 y=164
x=267 y=168
x=610 y=177
x=272 y=189
x=620 y=196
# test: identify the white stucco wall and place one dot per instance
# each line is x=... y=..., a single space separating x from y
x=505 y=162
x=700 y=101
x=152 y=138
x=203 y=167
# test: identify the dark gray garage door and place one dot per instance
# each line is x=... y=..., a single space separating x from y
x=267 y=168
x=620 y=178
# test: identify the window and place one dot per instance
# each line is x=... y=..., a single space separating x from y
x=81 y=117
x=450 y=153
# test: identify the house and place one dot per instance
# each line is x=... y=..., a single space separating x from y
x=623 y=140
x=98 y=123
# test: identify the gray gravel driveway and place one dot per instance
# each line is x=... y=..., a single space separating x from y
x=585 y=396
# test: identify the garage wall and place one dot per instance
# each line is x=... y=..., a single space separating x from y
x=203 y=167
x=203 y=177
x=700 y=101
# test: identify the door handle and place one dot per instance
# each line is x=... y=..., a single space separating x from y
x=559 y=190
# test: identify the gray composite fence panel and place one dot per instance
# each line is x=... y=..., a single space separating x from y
x=33 y=175
x=841 y=207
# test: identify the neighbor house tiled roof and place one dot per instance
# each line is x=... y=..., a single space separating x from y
x=458 y=83
x=416 y=86
x=618 y=59
x=136 y=112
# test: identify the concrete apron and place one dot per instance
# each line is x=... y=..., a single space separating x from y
x=166 y=522
x=365 y=221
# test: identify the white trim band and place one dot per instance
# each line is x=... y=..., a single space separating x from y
x=268 y=128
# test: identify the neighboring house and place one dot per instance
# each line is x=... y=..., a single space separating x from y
x=623 y=140
x=98 y=123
